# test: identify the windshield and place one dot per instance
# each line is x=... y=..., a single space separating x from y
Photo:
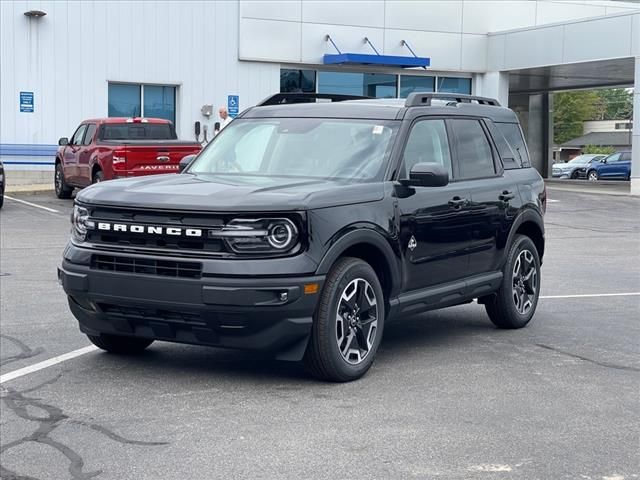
x=578 y=159
x=349 y=149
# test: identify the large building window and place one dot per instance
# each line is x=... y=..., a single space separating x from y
x=379 y=85
x=415 y=83
x=297 y=81
x=454 y=85
x=134 y=100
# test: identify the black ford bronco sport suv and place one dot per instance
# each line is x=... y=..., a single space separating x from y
x=306 y=226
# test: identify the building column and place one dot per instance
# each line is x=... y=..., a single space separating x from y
x=635 y=143
x=540 y=132
x=493 y=85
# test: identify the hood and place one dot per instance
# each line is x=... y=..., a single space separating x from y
x=228 y=193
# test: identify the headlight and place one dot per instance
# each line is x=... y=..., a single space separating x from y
x=80 y=223
x=262 y=235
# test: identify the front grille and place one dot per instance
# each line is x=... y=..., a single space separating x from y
x=145 y=266
x=145 y=241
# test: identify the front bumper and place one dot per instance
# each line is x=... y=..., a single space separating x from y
x=258 y=313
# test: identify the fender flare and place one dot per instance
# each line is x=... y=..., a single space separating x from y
x=368 y=236
x=528 y=215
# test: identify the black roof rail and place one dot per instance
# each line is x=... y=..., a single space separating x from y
x=424 y=99
x=285 y=98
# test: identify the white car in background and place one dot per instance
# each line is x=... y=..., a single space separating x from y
x=570 y=169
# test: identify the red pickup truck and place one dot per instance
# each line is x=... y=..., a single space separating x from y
x=108 y=148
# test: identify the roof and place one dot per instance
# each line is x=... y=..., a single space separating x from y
x=606 y=139
x=378 y=109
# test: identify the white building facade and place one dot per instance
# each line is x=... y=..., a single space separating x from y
x=94 y=59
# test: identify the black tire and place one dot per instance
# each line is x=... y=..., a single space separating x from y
x=593 y=176
x=505 y=308
x=324 y=358
x=119 y=344
x=63 y=190
x=98 y=177
x=574 y=176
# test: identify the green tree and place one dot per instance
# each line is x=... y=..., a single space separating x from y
x=598 y=149
x=615 y=104
x=570 y=109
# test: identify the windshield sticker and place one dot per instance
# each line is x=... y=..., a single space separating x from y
x=378 y=129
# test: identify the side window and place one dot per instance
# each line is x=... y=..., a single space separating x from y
x=513 y=134
x=510 y=159
x=625 y=157
x=88 y=137
x=77 y=137
x=613 y=158
x=475 y=159
x=427 y=142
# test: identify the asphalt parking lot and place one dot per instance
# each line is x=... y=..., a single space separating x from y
x=449 y=396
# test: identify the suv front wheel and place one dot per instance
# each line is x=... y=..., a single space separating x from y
x=348 y=323
x=515 y=302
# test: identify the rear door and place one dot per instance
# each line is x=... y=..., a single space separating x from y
x=85 y=154
x=434 y=221
x=623 y=169
x=494 y=193
x=71 y=155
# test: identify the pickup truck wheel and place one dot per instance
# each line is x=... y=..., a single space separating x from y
x=593 y=176
x=515 y=302
x=348 y=323
x=98 y=177
x=61 y=187
x=120 y=344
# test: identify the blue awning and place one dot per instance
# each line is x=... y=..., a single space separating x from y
x=384 y=60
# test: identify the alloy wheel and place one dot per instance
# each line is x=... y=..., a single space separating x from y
x=524 y=282
x=593 y=176
x=58 y=179
x=356 y=321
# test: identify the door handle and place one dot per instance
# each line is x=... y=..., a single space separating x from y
x=457 y=202
x=506 y=195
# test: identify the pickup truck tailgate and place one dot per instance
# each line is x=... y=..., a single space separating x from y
x=157 y=158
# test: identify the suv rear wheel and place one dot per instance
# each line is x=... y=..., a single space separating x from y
x=61 y=187
x=120 y=344
x=593 y=176
x=348 y=323
x=515 y=302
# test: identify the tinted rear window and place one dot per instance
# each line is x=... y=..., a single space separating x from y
x=513 y=135
x=137 y=131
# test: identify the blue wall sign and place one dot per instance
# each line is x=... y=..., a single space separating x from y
x=26 y=102
x=233 y=105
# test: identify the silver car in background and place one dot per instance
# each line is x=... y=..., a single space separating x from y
x=572 y=168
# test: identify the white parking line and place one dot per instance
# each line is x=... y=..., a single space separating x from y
x=52 y=210
x=627 y=294
x=21 y=372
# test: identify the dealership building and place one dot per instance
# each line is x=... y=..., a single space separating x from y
x=65 y=61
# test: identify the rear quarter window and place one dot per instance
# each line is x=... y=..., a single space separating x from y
x=511 y=137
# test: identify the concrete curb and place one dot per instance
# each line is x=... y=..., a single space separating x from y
x=33 y=188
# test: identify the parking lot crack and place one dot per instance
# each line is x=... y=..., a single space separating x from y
x=21 y=404
x=590 y=360
x=25 y=350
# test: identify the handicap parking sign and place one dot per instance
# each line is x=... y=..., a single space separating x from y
x=233 y=105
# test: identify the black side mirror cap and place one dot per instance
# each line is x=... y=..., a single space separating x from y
x=427 y=175
x=185 y=162
x=63 y=141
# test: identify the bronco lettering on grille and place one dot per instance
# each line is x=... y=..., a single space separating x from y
x=149 y=229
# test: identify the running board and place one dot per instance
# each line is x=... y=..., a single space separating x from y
x=447 y=295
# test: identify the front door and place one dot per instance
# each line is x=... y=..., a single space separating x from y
x=71 y=155
x=434 y=228
x=84 y=156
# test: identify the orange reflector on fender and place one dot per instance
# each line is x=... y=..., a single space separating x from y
x=311 y=288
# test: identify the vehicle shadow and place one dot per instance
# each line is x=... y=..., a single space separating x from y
x=409 y=336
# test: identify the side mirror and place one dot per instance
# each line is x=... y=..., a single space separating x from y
x=427 y=175
x=184 y=163
x=63 y=141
